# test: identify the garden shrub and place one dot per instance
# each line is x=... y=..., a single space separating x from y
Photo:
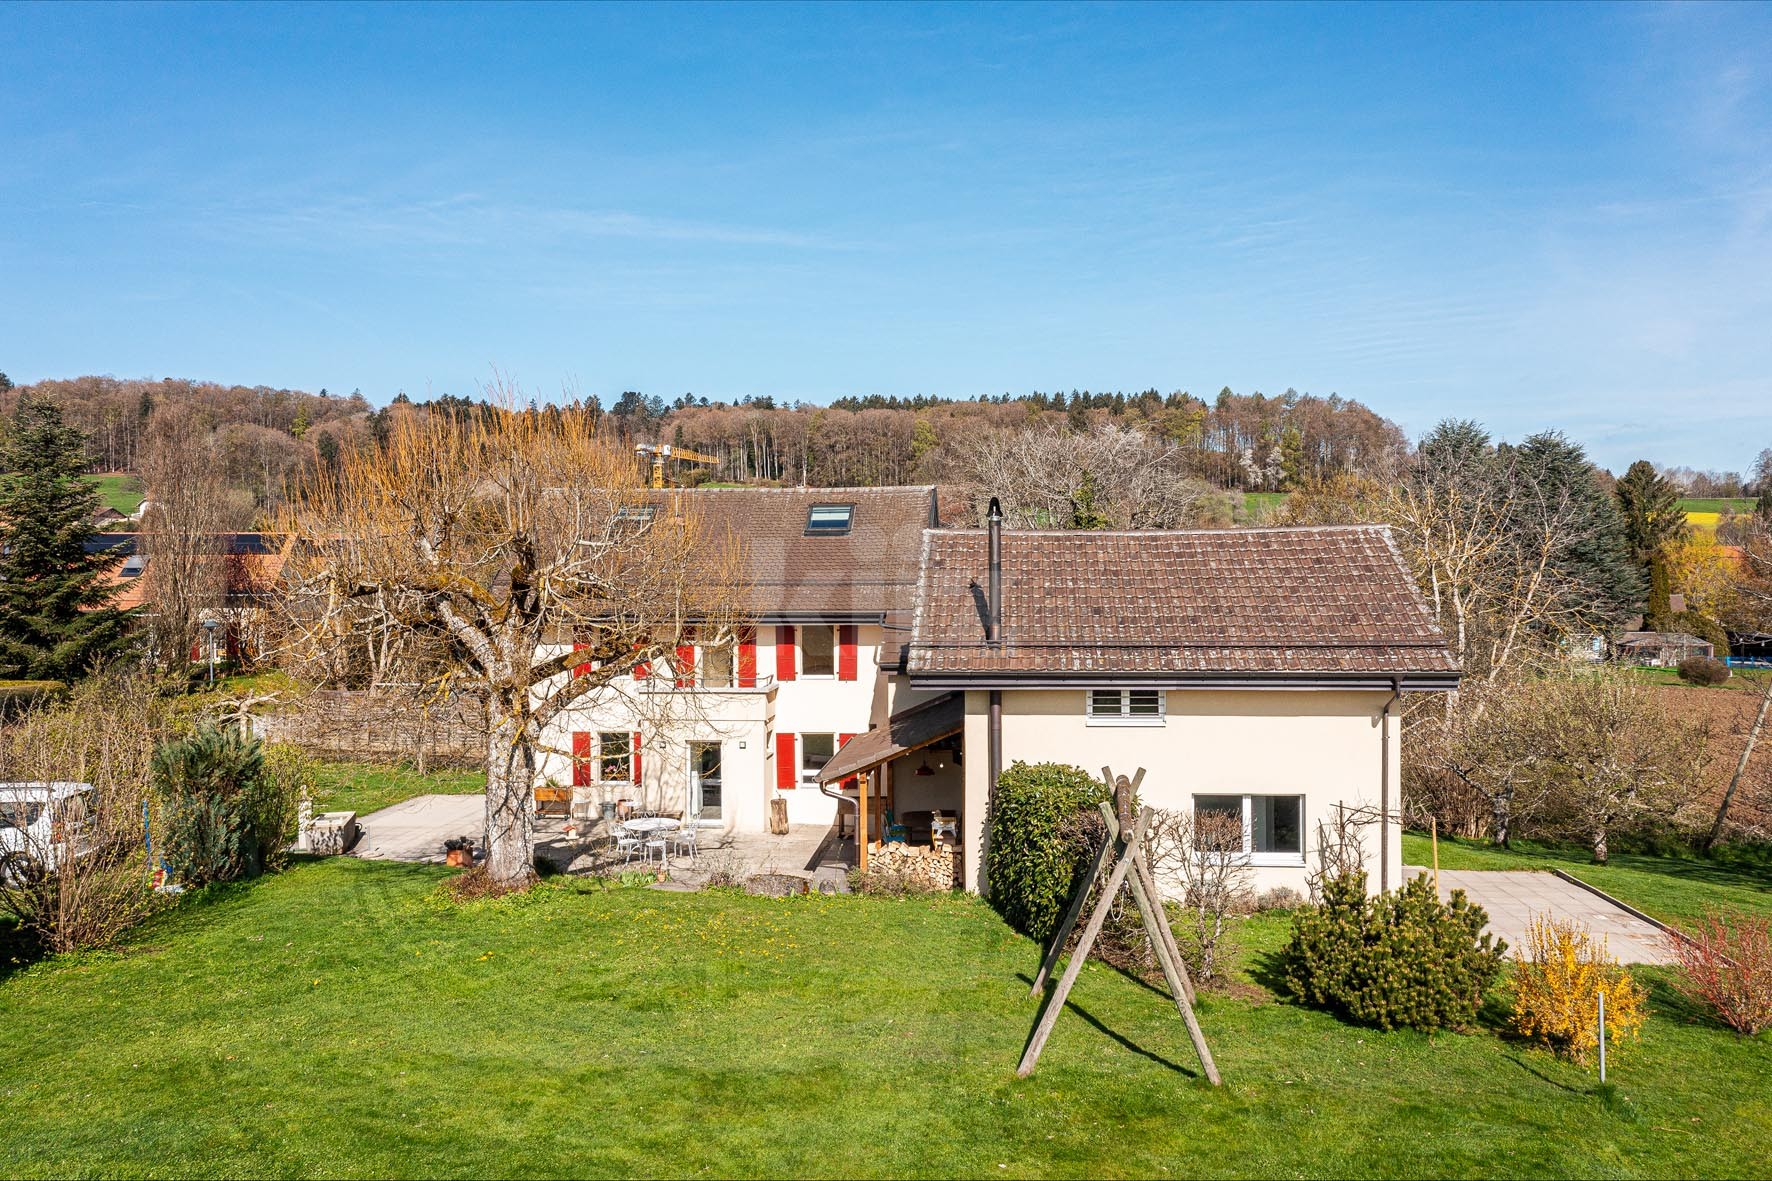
x=1728 y=968
x=213 y=787
x=1038 y=842
x=1702 y=670
x=1402 y=959
x=1557 y=984
x=273 y=809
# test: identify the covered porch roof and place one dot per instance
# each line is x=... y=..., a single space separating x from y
x=904 y=732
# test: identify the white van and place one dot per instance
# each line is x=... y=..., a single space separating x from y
x=41 y=824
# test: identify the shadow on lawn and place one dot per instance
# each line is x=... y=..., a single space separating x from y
x=1071 y=1005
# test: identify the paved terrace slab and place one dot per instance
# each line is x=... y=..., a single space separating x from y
x=415 y=829
x=1514 y=897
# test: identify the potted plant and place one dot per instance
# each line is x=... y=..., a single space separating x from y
x=459 y=852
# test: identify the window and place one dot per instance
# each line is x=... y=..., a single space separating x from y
x=1273 y=826
x=615 y=754
x=1126 y=707
x=815 y=751
x=636 y=514
x=715 y=666
x=829 y=520
x=818 y=650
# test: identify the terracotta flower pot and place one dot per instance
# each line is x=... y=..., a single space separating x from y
x=460 y=858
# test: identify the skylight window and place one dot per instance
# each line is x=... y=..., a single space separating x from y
x=829 y=520
x=637 y=514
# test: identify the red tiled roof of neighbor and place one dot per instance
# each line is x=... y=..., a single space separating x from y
x=1333 y=601
x=868 y=572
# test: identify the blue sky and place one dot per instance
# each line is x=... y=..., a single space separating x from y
x=1534 y=216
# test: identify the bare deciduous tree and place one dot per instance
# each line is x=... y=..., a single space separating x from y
x=488 y=537
x=1202 y=851
x=1109 y=477
x=86 y=882
x=187 y=509
x=1612 y=754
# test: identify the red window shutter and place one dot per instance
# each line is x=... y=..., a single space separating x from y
x=843 y=739
x=685 y=666
x=636 y=756
x=747 y=658
x=785 y=655
x=579 y=670
x=642 y=668
x=581 y=758
x=787 y=768
x=846 y=634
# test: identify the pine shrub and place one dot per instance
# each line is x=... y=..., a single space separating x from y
x=1397 y=960
x=1035 y=854
x=1561 y=973
x=214 y=792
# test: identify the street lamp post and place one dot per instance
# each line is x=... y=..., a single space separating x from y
x=209 y=626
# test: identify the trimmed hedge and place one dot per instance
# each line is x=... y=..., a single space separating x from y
x=1402 y=959
x=1035 y=857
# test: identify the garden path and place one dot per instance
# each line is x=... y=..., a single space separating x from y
x=1514 y=897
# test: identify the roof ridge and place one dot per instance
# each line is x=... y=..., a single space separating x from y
x=1197 y=531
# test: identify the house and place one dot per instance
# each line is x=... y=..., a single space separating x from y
x=896 y=666
x=251 y=564
x=831 y=576
x=1662 y=649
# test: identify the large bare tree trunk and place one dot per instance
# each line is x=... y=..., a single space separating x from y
x=1747 y=753
x=510 y=777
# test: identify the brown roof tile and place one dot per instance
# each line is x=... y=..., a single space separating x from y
x=869 y=572
x=1331 y=601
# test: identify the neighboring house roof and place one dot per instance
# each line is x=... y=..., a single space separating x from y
x=1333 y=604
x=868 y=571
x=906 y=731
x=1661 y=640
x=254 y=563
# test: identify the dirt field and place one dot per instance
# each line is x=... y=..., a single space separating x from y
x=1729 y=715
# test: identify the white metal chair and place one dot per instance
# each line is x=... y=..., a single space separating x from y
x=686 y=840
x=658 y=845
x=626 y=844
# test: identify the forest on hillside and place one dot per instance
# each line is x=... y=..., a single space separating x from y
x=257 y=438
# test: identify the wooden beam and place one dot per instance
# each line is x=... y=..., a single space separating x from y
x=1055 y=1004
x=864 y=787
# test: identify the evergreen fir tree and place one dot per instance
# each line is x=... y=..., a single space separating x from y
x=1661 y=607
x=1552 y=466
x=1651 y=507
x=56 y=618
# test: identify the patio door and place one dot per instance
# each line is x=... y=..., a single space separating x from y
x=704 y=780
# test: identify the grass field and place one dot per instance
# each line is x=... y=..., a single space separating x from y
x=1714 y=505
x=341 y=1019
x=365 y=787
x=1676 y=890
x=120 y=491
x=1742 y=680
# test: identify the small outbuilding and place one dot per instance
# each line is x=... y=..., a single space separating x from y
x=1662 y=649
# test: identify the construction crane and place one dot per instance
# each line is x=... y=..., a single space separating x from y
x=658 y=453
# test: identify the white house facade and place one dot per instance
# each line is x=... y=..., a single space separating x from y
x=893 y=667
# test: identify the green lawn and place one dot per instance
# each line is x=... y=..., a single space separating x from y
x=341 y=1020
x=1716 y=504
x=1744 y=680
x=365 y=787
x=121 y=491
x=1675 y=890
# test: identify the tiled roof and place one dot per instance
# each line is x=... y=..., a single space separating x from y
x=905 y=731
x=871 y=571
x=254 y=563
x=1333 y=601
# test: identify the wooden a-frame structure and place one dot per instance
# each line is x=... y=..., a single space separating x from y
x=1123 y=846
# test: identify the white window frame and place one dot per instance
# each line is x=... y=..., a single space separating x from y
x=1125 y=717
x=1251 y=857
x=800 y=652
x=809 y=775
x=627 y=756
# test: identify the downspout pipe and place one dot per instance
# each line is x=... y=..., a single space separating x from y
x=1384 y=786
x=993 y=634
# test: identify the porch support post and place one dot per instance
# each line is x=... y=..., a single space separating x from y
x=864 y=788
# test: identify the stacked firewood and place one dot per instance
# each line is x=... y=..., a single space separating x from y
x=916 y=866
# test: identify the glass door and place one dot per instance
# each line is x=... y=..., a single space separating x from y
x=704 y=780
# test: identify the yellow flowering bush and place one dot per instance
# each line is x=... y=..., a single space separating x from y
x=1560 y=974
